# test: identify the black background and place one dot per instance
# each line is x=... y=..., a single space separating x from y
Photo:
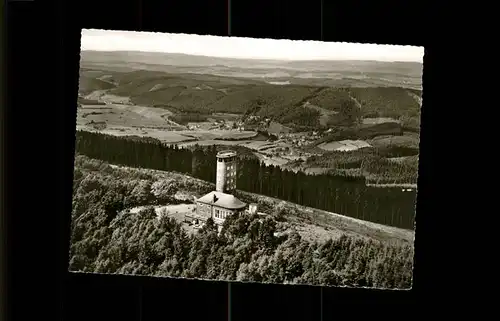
x=42 y=56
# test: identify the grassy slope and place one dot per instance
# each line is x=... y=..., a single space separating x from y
x=89 y=82
x=311 y=217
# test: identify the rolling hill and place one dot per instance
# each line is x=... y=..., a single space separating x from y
x=196 y=85
x=316 y=72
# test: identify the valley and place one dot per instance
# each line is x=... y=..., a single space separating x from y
x=288 y=124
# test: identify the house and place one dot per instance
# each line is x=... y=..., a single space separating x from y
x=218 y=206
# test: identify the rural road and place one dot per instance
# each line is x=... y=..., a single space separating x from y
x=356 y=101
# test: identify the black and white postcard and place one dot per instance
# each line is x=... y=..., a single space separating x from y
x=250 y=160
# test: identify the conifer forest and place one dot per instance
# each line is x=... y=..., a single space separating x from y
x=107 y=239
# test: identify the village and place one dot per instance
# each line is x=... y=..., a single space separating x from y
x=272 y=140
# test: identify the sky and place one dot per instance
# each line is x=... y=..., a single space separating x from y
x=236 y=47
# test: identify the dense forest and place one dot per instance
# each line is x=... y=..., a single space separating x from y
x=340 y=193
x=106 y=239
x=371 y=163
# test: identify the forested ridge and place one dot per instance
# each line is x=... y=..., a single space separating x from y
x=107 y=239
x=338 y=193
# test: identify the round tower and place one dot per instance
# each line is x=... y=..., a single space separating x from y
x=226 y=172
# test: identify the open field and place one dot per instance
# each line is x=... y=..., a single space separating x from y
x=344 y=145
x=203 y=135
x=407 y=140
x=85 y=101
x=403 y=186
x=275 y=161
x=126 y=116
x=177 y=212
x=404 y=159
x=260 y=145
x=379 y=120
x=162 y=135
x=255 y=145
x=211 y=142
x=124 y=120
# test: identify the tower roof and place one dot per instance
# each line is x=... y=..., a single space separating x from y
x=223 y=200
x=226 y=153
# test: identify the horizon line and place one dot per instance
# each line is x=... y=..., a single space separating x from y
x=248 y=58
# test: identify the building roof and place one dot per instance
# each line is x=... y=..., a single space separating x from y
x=223 y=200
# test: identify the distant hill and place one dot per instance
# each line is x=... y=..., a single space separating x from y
x=197 y=85
x=178 y=59
x=315 y=72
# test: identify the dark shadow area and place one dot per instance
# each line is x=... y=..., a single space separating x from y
x=103 y=297
x=380 y=22
x=252 y=301
x=276 y=19
x=190 y=299
x=365 y=301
